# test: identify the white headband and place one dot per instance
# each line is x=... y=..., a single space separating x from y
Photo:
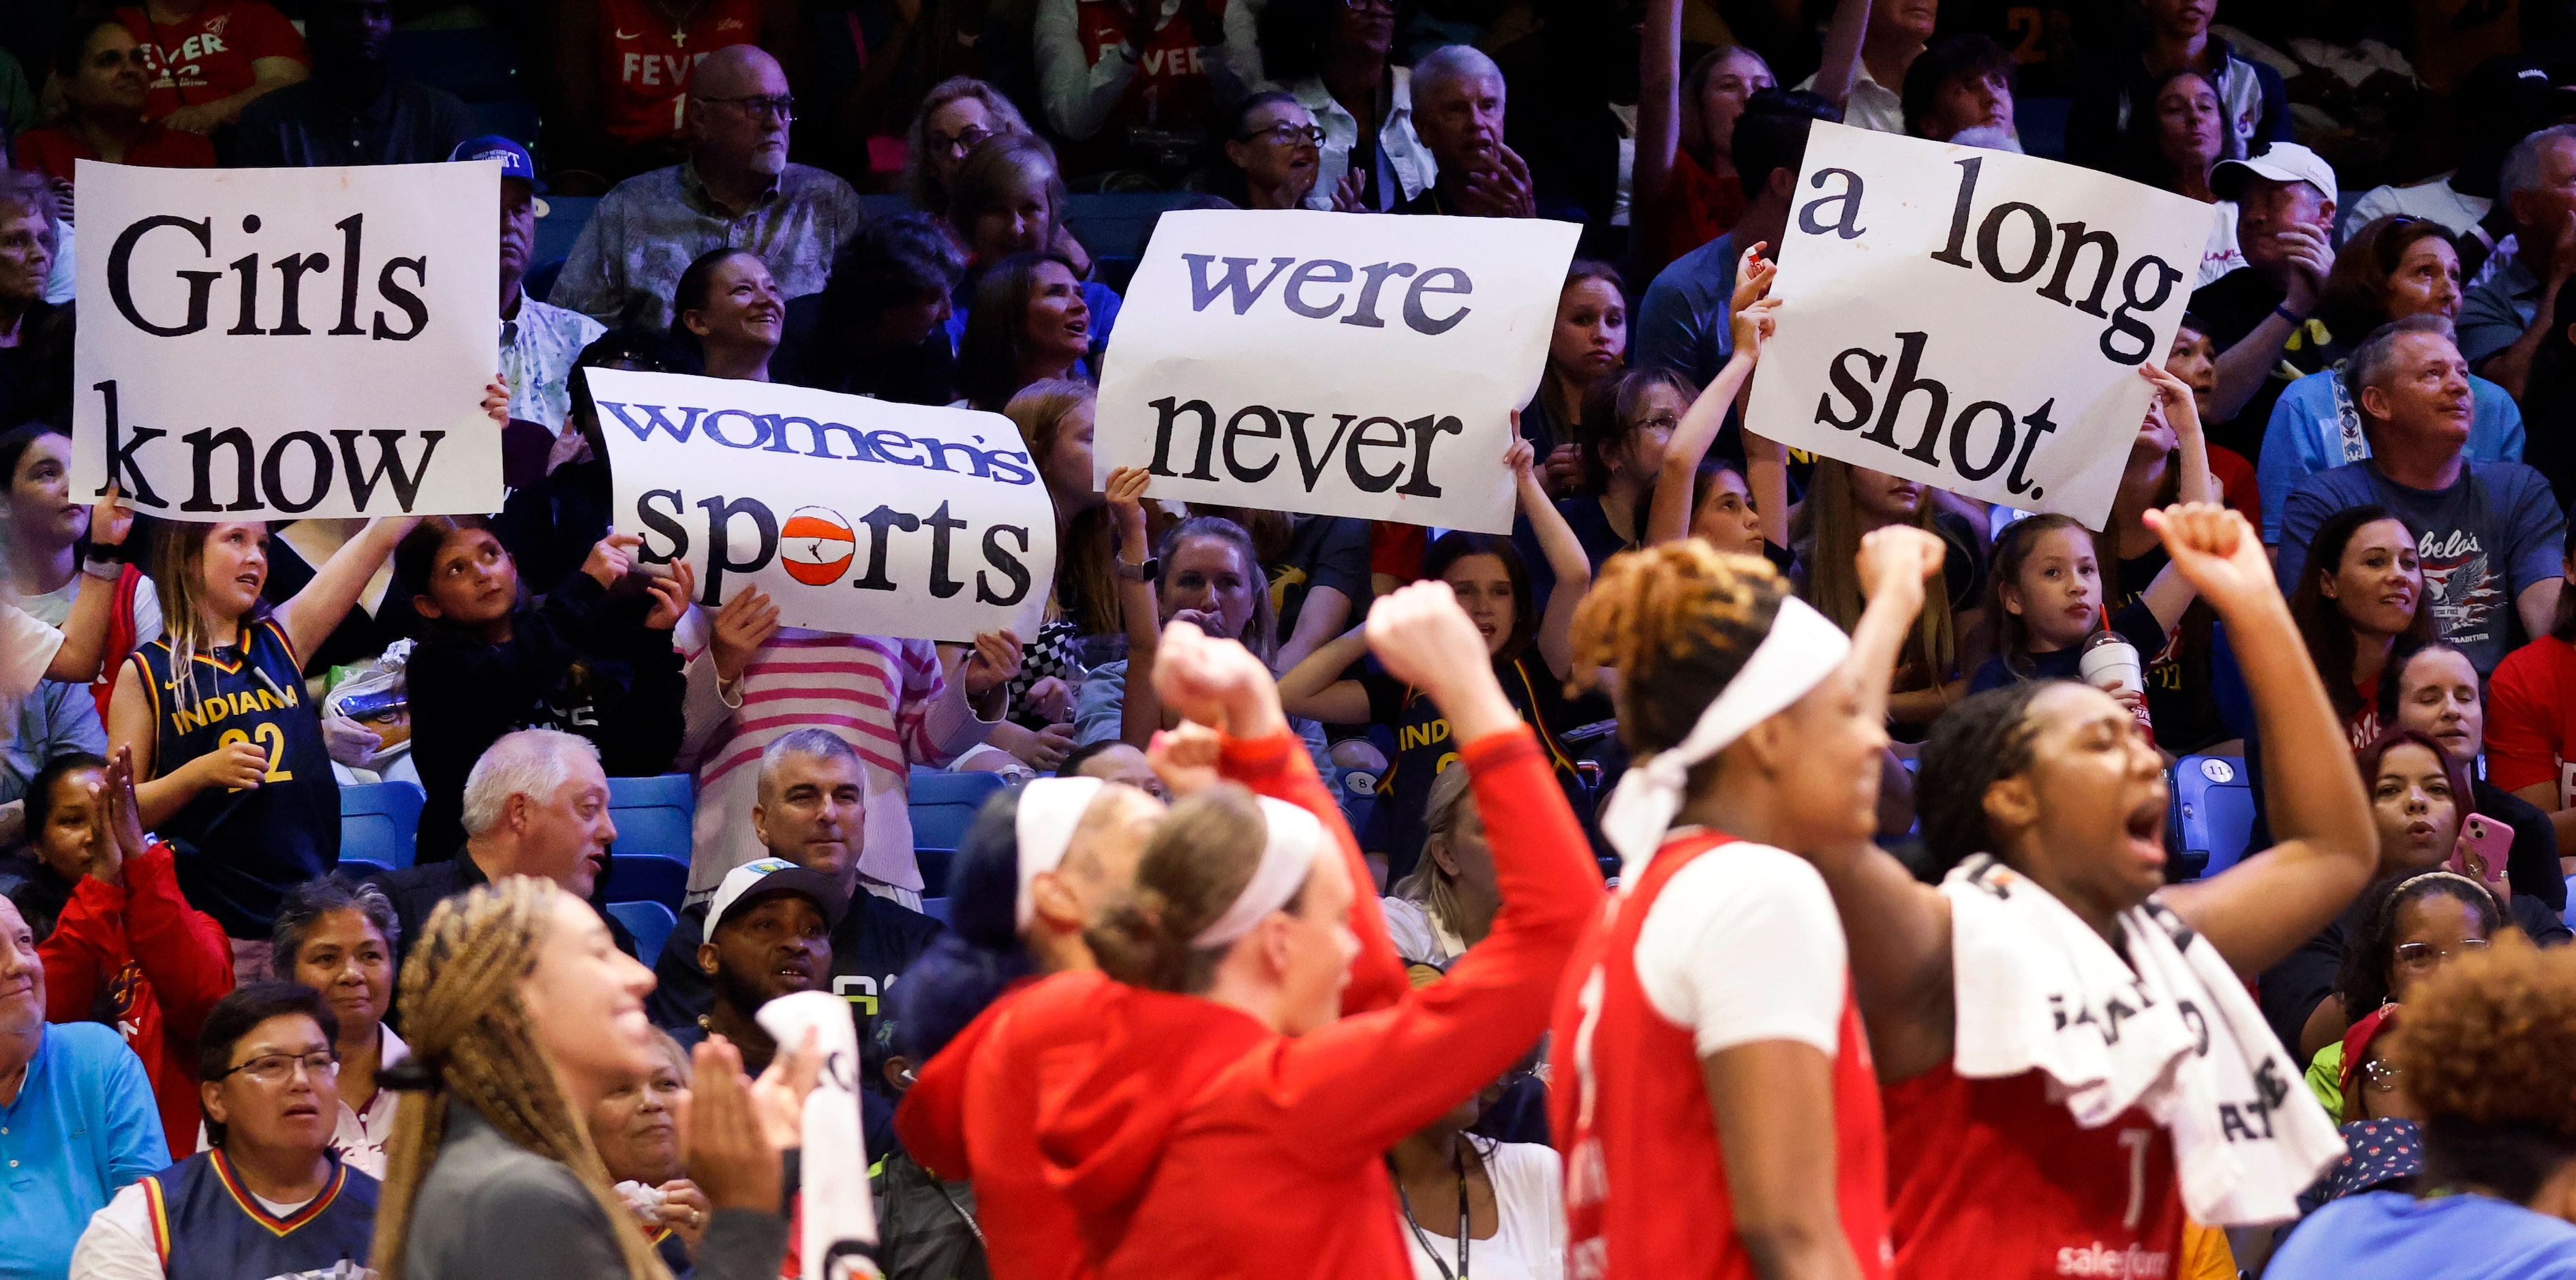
x=1802 y=648
x=1050 y=808
x=1295 y=840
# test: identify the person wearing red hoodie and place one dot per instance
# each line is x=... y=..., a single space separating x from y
x=128 y=935
x=1214 y=1112
x=1715 y=1103
x=1036 y=870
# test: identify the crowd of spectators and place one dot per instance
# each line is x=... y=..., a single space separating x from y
x=217 y=1042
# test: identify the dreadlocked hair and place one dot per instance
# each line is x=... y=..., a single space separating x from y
x=472 y=1039
x=1677 y=621
x=1974 y=745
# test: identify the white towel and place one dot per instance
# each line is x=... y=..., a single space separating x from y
x=840 y=1217
x=2171 y=1031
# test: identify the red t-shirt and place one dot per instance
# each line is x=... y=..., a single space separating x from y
x=208 y=57
x=2236 y=485
x=52 y=152
x=1696 y=207
x=645 y=62
x=2531 y=717
x=1991 y=1179
x=1170 y=89
x=1645 y=1174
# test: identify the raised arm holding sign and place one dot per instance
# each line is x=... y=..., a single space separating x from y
x=1971 y=319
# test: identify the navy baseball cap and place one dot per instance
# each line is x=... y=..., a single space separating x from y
x=513 y=157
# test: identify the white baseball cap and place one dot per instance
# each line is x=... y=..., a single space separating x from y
x=2280 y=162
x=765 y=875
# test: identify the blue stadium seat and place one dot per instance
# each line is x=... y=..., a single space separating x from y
x=2213 y=799
x=650 y=922
x=377 y=823
x=936 y=909
x=478 y=64
x=944 y=805
x=565 y=217
x=645 y=877
x=2569 y=915
x=653 y=815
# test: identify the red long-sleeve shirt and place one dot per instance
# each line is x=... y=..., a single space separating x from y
x=972 y=1113
x=1192 y=1140
x=161 y=964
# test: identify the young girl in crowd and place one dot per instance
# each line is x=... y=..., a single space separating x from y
x=1037 y=873
x=1845 y=504
x=127 y=948
x=1687 y=192
x=1713 y=1118
x=2019 y=1132
x=2361 y=599
x=1209 y=576
x=337 y=935
x=593 y=659
x=1694 y=499
x=728 y=313
x=2169 y=462
x=1628 y=420
x=2420 y=796
x=1589 y=343
x=2409 y=925
x=1531 y=654
x=2483 y=1062
x=1030 y=324
x=50 y=539
x=1222 y=1100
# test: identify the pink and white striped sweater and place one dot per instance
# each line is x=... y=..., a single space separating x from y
x=885 y=697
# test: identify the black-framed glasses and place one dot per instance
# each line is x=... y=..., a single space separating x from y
x=277 y=1068
x=966 y=139
x=2416 y=955
x=782 y=106
x=1286 y=134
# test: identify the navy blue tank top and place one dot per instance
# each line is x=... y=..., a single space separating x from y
x=239 y=851
x=207 y=1226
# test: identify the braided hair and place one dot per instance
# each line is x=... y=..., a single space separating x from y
x=1680 y=620
x=1974 y=745
x=471 y=1039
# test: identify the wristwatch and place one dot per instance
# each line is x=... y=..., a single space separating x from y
x=1150 y=571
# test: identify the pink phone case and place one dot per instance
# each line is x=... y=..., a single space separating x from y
x=2483 y=847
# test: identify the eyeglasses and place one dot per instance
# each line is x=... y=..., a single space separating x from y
x=1287 y=135
x=1664 y=422
x=2418 y=955
x=783 y=106
x=965 y=140
x=276 y=1068
x=2382 y=1077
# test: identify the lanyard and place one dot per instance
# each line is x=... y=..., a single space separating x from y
x=1458 y=1156
x=2355 y=446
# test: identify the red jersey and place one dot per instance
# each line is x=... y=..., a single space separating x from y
x=1994 y=1180
x=154 y=965
x=209 y=57
x=645 y=60
x=2531 y=717
x=1645 y=1178
x=1170 y=89
x=53 y=152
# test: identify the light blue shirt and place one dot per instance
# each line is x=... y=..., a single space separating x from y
x=83 y=1127
x=2461 y=1237
x=2306 y=437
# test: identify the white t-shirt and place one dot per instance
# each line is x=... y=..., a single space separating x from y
x=2224 y=253
x=1743 y=946
x=27 y=647
x=118 y=1243
x=1872 y=106
x=56 y=605
x=2434 y=200
x=1529 y=1242
x=1418 y=938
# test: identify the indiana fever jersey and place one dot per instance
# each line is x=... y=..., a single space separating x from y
x=240 y=850
x=207 y=1226
x=645 y=60
x=1991 y=1179
x=1645 y=1177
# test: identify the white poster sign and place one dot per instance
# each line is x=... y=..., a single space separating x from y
x=1341 y=364
x=259 y=343
x=1973 y=319
x=855 y=515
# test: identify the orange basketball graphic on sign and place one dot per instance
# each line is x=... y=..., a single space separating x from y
x=815 y=546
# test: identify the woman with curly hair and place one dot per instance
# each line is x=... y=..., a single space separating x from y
x=2483 y=1057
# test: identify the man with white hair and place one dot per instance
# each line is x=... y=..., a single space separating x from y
x=1458 y=114
x=2505 y=317
x=536 y=804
